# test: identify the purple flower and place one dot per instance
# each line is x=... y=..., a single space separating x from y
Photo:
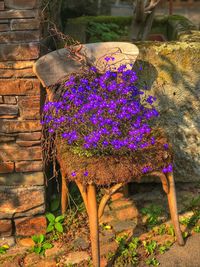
x=166 y=146
x=85 y=173
x=146 y=169
x=167 y=169
x=73 y=174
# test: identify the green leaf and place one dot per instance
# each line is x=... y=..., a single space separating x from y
x=35 y=238
x=47 y=246
x=60 y=218
x=41 y=238
x=37 y=250
x=50 y=217
x=59 y=227
x=50 y=228
x=54 y=205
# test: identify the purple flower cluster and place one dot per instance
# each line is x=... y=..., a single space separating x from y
x=103 y=112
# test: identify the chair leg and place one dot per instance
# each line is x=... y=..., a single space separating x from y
x=173 y=209
x=94 y=225
x=64 y=195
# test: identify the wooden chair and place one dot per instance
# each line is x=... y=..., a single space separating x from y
x=103 y=171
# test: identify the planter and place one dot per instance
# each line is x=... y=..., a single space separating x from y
x=111 y=170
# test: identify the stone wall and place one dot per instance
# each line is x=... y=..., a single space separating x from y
x=171 y=71
x=22 y=192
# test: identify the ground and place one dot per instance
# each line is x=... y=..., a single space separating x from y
x=134 y=231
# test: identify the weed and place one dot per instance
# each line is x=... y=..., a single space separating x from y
x=41 y=245
x=3 y=249
x=170 y=230
x=160 y=230
x=152 y=212
x=163 y=248
x=197 y=229
x=150 y=246
x=55 y=223
x=152 y=261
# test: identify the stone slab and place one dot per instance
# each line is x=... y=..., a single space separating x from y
x=29 y=166
x=14 y=14
x=5 y=228
x=9 y=52
x=29 y=226
x=29 y=136
x=23 y=73
x=10 y=100
x=24 y=24
x=21 y=4
x=21 y=201
x=55 y=65
x=29 y=107
x=2 y=5
x=19 y=36
x=6 y=167
x=4 y=27
x=16 y=64
x=16 y=126
x=32 y=178
x=8 y=109
x=19 y=87
x=13 y=152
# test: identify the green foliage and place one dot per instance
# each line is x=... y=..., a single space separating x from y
x=54 y=204
x=55 y=223
x=150 y=246
x=41 y=245
x=163 y=248
x=152 y=212
x=160 y=230
x=197 y=229
x=104 y=32
x=3 y=249
x=170 y=230
x=152 y=261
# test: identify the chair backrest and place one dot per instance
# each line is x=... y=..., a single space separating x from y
x=53 y=66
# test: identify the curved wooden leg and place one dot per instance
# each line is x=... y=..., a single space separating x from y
x=94 y=225
x=83 y=192
x=173 y=209
x=106 y=197
x=64 y=195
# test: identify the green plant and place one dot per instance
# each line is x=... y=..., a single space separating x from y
x=55 y=223
x=150 y=246
x=41 y=245
x=170 y=230
x=54 y=204
x=160 y=230
x=152 y=261
x=152 y=212
x=197 y=229
x=3 y=249
x=163 y=248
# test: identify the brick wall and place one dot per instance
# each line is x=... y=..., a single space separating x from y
x=22 y=195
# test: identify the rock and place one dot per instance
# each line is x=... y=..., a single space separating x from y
x=8 y=109
x=10 y=241
x=19 y=36
x=29 y=136
x=32 y=259
x=25 y=242
x=120 y=226
x=28 y=226
x=127 y=213
x=18 y=201
x=13 y=152
x=6 y=167
x=80 y=243
x=5 y=228
x=29 y=166
x=75 y=257
x=24 y=24
x=13 y=14
x=108 y=247
x=19 y=87
x=10 y=99
x=29 y=107
x=33 y=178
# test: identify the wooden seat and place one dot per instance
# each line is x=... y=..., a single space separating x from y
x=103 y=171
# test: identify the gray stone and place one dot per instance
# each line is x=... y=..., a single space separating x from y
x=120 y=226
x=76 y=257
x=33 y=178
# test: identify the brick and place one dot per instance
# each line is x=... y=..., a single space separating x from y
x=17 y=64
x=29 y=107
x=32 y=178
x=23 y=73
x=28 y=166
x=25 y=201
x=5 y=138
x=29 y=136
x=24 y=24
x=16 y=126
x=8 y=109
x=6 y=167
x=20 y=4
x=4 y=27
x=27 y=143
x=10 y=100
x=19 y=87
x=14 y=14
x=30 y=226
x=13 y=152
x=1 y=99
x=5 y=228
x=19 y=36
x=19 y=51
x=2 y=5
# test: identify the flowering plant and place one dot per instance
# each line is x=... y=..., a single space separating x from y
x=99 y=114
